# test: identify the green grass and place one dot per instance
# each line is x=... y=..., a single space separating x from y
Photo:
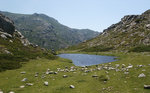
x=117 y=82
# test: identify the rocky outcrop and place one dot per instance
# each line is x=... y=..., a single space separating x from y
x=130 y=32
x=6 y=24
x=7 y=31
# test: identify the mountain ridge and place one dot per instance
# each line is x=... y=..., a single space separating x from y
x=132 y=33
x=47 y=32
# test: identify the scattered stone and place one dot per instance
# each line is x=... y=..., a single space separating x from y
x=22 y=86
x=29 y=84
x=129 y=66
x=142 y=75
x=3 y=36
x=23 y=72
x=10 y=41
x=47 y=72
x=86 y=71
x=11 y=92
x=36 y=75
x=72 y=86
x=95 y=76
x=46 y=83
x=65 y=76
x=25 y=79
x=51 y=72
x=126 y=73
x=117 y=65
x=48 y=69
x=146 y=86
x=55 y=72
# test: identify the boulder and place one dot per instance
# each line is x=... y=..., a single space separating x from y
x=23 y=72
x=142 y=75
x=64 y=76
x=22 y=86
x=72 y=86
x=95 y=76
x=46 y=83
x=146 y=86
x=25 y=79
x=29 y=84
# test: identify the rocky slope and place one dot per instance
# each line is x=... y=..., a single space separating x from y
x=14 y=48
x=132 y=33
x=48 y=32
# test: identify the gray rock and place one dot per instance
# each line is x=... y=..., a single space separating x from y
x=6 y=24
x=146 y=86
x=148 y=26
x=29 y=84
x=126 y=73
x=46 y=83
x=36 y=75
x=23 y=72
x=94 y=75
x=142 y=75
x=25 y=79
x=3 y=36
x=72 y=86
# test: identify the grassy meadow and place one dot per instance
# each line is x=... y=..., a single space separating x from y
x=106 y=80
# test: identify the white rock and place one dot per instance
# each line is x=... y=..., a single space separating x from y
x=64 y=76
x=10 y=41
x=1 y=91
x=72 y=86
x=46 y=83
x=47 y=72
x=131 y=66
x=142 y=75
x=22 y=86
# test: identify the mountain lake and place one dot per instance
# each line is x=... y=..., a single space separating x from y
x=88 y=60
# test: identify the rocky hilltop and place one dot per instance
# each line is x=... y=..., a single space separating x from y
x=132 y=33
x=48 y=32
x=15 y=48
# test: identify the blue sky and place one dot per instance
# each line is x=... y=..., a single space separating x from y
x=93 y=14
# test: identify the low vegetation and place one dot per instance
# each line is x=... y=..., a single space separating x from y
x=18 y=53
x=106 y=81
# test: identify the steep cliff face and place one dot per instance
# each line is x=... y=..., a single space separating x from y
x=6 y=25
x=132 y=31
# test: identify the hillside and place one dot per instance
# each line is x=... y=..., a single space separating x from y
x=132 y=33
x=48 y=32
x=14 y=48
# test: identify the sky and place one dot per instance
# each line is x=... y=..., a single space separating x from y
x=82 y=14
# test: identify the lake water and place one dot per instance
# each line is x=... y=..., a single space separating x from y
x=87 y=60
